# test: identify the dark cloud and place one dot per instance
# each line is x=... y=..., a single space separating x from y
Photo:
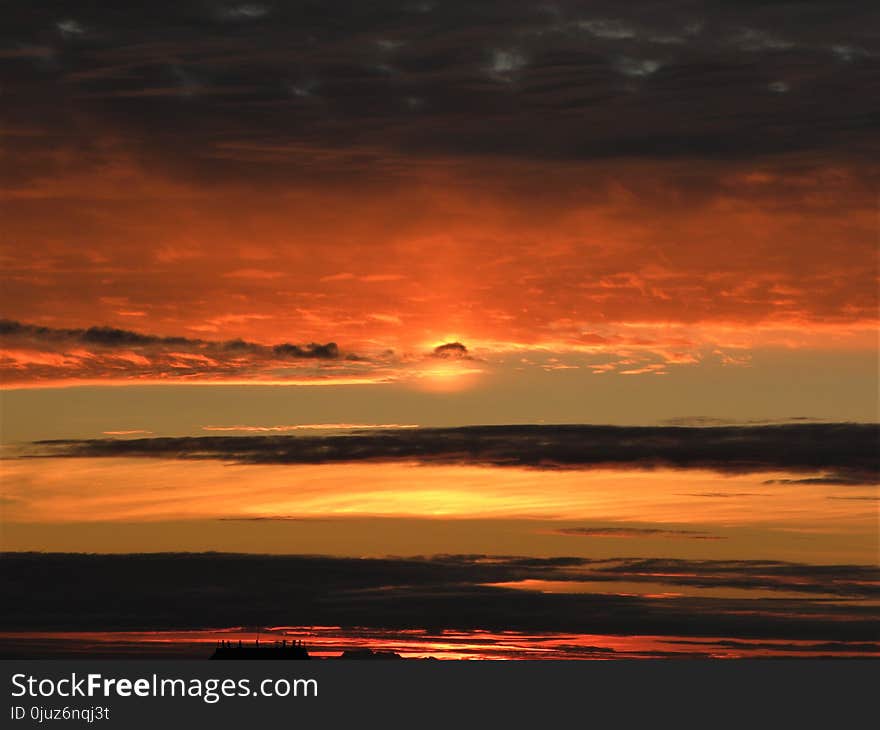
x=858 y=499
x=843 y=580
x=204 y=590
x=840 y=479
x=330 y=351
x=220 y=90
x=710 y=421
x=633 y=532
x=846 y=452
x=111 y=337
x=104 y=336
x=451 y=351
x=107 y=352
x=812 y=648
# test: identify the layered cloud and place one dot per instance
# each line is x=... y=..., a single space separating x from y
x=581 y=178
x=37 y=355
x=443 y=592
x=532 y=81
x=832 y=453
x=34 y=354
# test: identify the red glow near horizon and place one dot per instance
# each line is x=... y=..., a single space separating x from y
x=327 y=642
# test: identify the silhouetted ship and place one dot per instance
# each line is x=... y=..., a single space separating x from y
x=288 y=650
x=276 y=650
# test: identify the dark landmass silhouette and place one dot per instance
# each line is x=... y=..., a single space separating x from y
x=369 y=655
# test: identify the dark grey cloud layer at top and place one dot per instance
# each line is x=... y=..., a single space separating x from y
x=220 y=88
x=841 y=453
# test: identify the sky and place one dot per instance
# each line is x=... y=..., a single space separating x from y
x=298 y=278
x=573 y=193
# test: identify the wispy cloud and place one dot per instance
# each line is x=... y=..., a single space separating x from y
x=636 y=532
x=32 y=353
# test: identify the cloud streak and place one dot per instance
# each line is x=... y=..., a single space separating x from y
x=632 y=532
x=844 y=453
x=115 y=338
x=32 y=353
x=445 y=591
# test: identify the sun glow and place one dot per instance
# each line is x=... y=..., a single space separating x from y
x=447 y=377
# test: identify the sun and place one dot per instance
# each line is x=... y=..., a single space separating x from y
x=446 y=376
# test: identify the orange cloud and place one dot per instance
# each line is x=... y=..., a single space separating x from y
x=659 y=261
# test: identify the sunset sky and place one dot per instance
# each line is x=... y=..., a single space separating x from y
x=229 y=227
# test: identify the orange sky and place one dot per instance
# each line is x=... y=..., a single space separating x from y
x=381 y=509
x=571 y=257
x=627 y=270
x=575 y=187
x=309 y=281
